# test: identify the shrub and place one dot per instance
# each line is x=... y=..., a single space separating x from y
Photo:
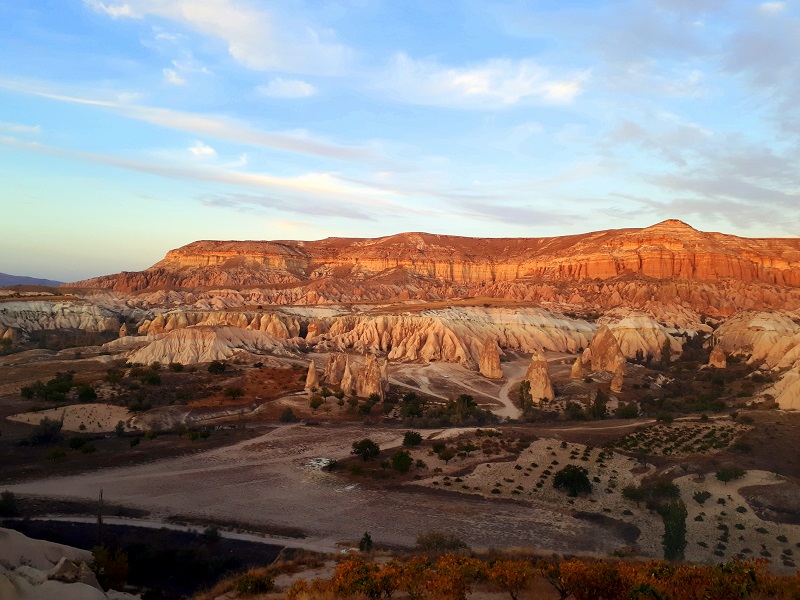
x=8 y=504
x=365 y=543
x=574 y=479
x=216 y=367
x=175 y=367
x=366 y=449
x=48 y=430
x=412 y=438
x=674 y=541
x=440 y=541
x=401 y=461
x=730 y=473
x=233 y=393
x=701 y=497
x=256 y=581
x=288 y=416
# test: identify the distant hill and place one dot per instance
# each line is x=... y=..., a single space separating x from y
x=6 y=280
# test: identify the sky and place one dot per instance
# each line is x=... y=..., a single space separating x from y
x=131 y=127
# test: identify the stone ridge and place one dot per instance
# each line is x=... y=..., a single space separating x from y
x=668 y=250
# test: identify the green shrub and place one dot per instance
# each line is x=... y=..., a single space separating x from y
x=412 y=438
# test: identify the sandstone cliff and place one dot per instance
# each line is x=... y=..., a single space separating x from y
x=668 y=250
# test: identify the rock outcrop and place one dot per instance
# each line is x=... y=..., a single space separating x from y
x=618 y=379
x=717 y=359
x=577 y=370
x=489 y=364
x=312 y=380
x=604 y=353
x=373 y=378
x=539 y=378
x=667 y=250
x=334 y=369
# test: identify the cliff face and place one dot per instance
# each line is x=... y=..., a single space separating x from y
x=668 y=250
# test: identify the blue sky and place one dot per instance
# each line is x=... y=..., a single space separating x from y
x=130 y=127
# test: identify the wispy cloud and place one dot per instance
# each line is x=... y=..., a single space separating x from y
x=254 y=203
x=772 y=7
x=172 y=77
x=20 y=128
x=219 y=127
x=201 y=150
x=287 y=88
x=493 y=84
x=257 y=38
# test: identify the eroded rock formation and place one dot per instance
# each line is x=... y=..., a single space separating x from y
x=489 y=364
x=539 y=378
x=312 y=380
x=717 y=359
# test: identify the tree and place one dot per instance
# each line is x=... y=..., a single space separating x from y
x=401 y=461
x=574 y=479
x=233 y=392
x=726 y=474
x=447 y=454
x=315 y=402
x=119 y=428
x=511 y=576
x=288 y=416
x=674 y=516
x=48 y=430
x=633 y=493
x=440 y=541
x=365 y=543
x=598 y=408
x=412 y=438
x=216 y=367
x=86 y=393
x=524 y=398
x=627 y=411
x=366 y=449
x=8 y=504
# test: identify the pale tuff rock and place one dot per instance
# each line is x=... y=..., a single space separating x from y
x=639 y=335
x=348 y=384
x=205 y=344
x=717 y=359
x=38 y=570
x=37 y=315
x=312 y=381
x=490 y=360
x=372 y=379
x=539 y=378
x=604 y=353
x=123 y=331
x=334 y=369
x=771 y=339
x=316 y=327
x=577 y=368
x=278 y=325
x=618 y=379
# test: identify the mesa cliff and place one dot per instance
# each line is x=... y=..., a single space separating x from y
x=455 y=265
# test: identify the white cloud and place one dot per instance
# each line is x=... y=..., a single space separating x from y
x=287 y=88
x=219 y=127
x=201 y=150
x=259 y=39
x=772 y=7
x=19 y=128
x=172 y=77
x=496 y=83
x=112 y=10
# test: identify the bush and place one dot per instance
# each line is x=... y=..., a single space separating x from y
x=627 y=411
x=257 y=581
x=86 y=393
x=366 y=449
x=8 y=504
x=175 y=367
x=365 y=543
x=48 y=430
x=401 y=461
x=701 y=497
x=288 y=416
x=233 y=393
x=574 y=479
x=216 y=367
x=674 y=541
x=726 y=474
x=440 y=541
x=412 y=438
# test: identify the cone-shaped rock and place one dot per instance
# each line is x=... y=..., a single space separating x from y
x=371 y=379
x=539 y=378
x=312 y=381
x=490 y=360
x=718 y=359
x=577 y=369
x=123 y=331
x=604 y=351
x=348 y=383
x=618 y=379
x=334 y=369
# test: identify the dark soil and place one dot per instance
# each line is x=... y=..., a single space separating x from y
x=175 y=563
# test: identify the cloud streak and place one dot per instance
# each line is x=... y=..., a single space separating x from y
x=489 y=85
